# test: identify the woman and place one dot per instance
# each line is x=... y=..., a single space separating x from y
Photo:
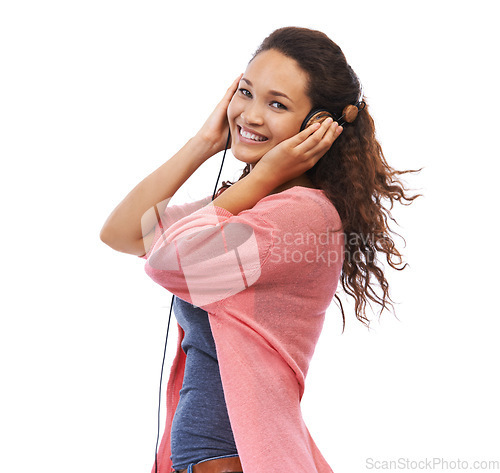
x=255 y=269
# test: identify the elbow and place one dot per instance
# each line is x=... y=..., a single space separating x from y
x=106 y=236
x=107 y=233
x=112 y=240
x=110 y=236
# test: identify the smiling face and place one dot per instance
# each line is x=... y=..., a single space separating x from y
x=269 y=105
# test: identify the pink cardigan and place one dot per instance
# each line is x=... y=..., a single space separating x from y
x=266 y=277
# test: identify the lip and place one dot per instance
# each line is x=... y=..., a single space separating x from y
x=248 y=140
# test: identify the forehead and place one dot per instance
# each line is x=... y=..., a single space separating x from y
x=272 y=70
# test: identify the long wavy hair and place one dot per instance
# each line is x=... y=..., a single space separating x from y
x=354 y=173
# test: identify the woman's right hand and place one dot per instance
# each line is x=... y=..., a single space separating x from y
x=215 y=129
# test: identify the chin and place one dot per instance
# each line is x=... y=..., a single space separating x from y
x=245 y=156
x=247 y=159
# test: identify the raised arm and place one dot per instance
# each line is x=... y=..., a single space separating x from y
x=279 y=166
x=135 y=216
x=130 y=226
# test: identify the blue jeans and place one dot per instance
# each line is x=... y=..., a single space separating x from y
x=190 y=466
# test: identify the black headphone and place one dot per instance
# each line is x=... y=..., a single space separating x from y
x=315 y=115
x=349 y=114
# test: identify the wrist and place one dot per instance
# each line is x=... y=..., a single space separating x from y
x=200 y=148
x=207 y=146
x=244 y=194
x=263 y=178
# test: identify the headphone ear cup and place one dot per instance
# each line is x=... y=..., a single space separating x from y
x=315 y=115
x=350 y=113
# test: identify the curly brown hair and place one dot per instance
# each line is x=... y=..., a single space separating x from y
x=354 y=173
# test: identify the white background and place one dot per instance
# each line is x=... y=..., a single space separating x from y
x=96 y=95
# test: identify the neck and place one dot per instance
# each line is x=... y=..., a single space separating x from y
x=302 y=181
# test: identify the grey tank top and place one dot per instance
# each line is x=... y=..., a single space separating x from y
x=200 y=427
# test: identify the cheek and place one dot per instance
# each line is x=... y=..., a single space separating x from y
x=285 y=130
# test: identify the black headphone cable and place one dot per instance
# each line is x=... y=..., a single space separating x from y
x=170 y=316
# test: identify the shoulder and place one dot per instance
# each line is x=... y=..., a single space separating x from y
x=298 y=206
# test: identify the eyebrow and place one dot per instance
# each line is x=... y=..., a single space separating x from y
x=272 y=92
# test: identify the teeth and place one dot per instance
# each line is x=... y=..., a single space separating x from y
x=251 y=136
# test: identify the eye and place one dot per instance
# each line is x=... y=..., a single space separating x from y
x=274 y=104
x=279 y=105
x=245 y=92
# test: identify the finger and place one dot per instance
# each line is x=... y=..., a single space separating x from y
x=319 y=130
x=332 y=133
x=321 y=139
x=232 y=88
x=333 y=130
x=307 y=132
x=228 y=96
x=330 y=129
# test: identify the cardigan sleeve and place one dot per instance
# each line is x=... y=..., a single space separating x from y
x=172 y=214
x=210 y=255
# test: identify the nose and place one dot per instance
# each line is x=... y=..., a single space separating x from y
x=252 y=114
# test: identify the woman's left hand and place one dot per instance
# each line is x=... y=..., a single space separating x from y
x=294 y=156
